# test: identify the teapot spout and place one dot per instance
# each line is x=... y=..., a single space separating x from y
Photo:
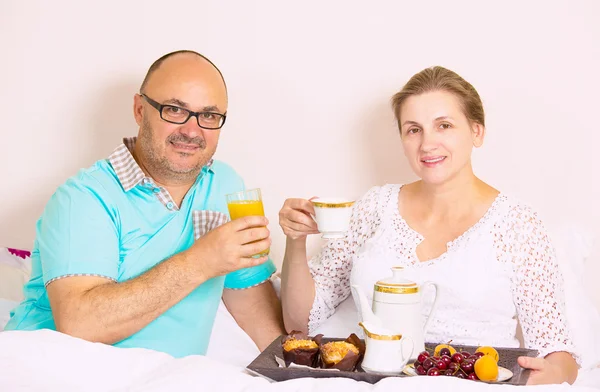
x=365 y=313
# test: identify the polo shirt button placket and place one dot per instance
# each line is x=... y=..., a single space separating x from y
x=170 y=205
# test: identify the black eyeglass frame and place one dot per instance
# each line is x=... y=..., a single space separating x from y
x=158 y=106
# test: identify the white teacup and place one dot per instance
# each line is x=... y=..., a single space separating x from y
x=332 y=216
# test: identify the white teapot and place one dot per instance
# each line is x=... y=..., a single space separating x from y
x=397 y=307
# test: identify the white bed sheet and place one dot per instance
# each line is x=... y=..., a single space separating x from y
x=47 y=360
x=50 y=361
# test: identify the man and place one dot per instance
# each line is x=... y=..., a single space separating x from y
x=115 y=259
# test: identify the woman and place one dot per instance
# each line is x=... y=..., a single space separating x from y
x=489 y=253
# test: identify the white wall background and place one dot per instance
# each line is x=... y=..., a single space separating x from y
x=310 y=84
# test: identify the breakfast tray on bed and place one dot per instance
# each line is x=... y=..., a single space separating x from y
x=266 y=365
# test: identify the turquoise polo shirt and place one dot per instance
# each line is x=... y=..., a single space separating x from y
x=112 y=221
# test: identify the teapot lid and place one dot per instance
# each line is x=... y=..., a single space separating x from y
x=396 y=284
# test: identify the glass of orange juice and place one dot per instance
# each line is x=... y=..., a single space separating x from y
x=246 y=203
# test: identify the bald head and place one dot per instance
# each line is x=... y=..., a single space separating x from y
x=188 y=80
x=189 y=53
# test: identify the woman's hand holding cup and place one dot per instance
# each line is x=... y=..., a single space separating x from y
x=295 y=218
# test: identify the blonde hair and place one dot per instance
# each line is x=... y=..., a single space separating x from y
x=441 y=79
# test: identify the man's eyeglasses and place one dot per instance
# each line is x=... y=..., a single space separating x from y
x=179 y=115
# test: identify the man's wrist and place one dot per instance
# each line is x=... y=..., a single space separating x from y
x=194 y=267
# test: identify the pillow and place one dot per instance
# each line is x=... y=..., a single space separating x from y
x=343 y=322
x=15 y=268
x=5 y=307
x=573 y=249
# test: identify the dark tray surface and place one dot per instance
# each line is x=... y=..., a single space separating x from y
x=265 y=365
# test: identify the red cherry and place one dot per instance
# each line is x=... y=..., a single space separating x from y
x=453 y=366
x=441 y=365
x=445 y=351
x=421 y=370
x=465 y=354
x=473 y=377
x=447 y=360
x=467 y=366
x=458 y=358
x=460 y=375
x=448 y=372
x=433 y=372
x=428 y=363
x=422 y=356
x=416 y=364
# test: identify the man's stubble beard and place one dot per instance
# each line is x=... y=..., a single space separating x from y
x=156 y=163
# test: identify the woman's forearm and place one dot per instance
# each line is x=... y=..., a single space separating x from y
x=297 y=286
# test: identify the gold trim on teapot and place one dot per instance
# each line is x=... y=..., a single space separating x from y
x=397 y=290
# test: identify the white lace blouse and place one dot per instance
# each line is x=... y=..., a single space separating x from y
x=502 y=269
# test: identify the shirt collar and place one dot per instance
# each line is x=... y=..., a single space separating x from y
x=127 y=169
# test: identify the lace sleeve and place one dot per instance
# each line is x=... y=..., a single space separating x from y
x=331 y=267
x=537 y=283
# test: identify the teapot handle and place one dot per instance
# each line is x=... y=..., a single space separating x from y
x=433 y=306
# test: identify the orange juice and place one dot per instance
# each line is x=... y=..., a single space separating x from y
x=241 y=208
